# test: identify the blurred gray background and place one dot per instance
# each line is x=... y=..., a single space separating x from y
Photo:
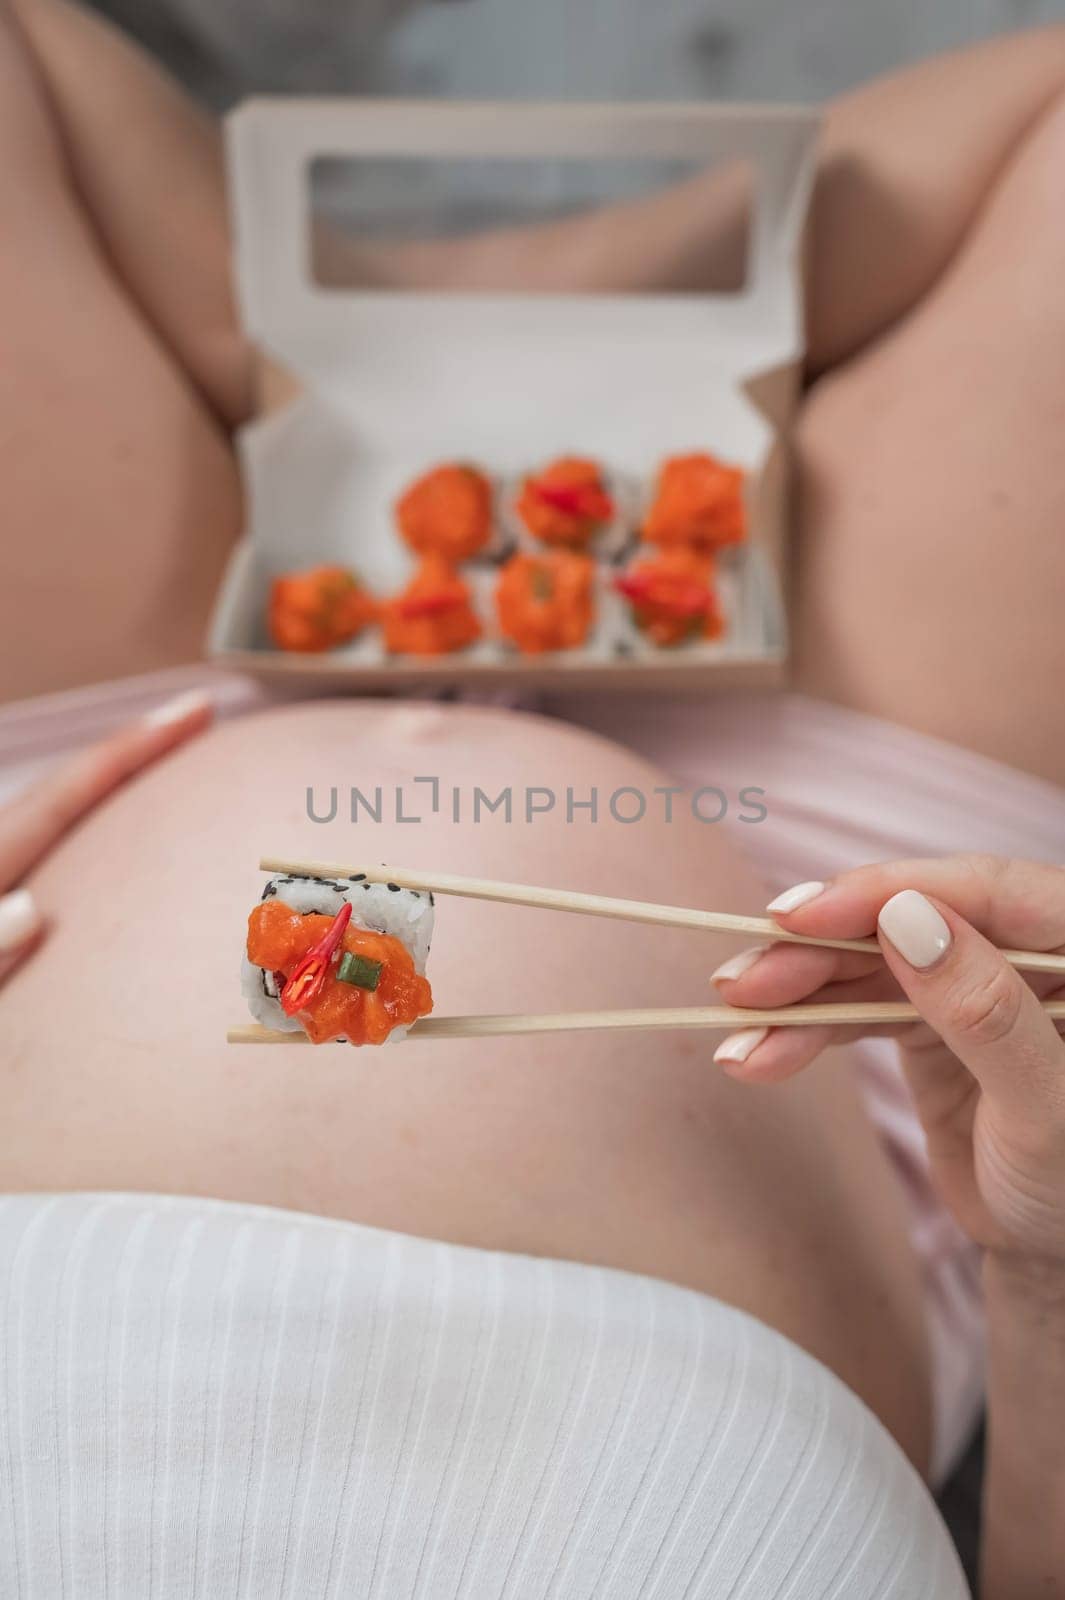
x=732 y=49
x=805 y=50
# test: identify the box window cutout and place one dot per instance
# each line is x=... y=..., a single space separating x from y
x=521 y=226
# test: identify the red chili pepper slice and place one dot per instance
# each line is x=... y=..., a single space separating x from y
x=578 y=500
x=308 y=976
x=678 y=597
x=427 y=605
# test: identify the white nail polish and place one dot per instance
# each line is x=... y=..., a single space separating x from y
x=738 y=1046
x=915 y=928
x=176 y=710
x=736 y=966
x=795 y=897
x=19 y=920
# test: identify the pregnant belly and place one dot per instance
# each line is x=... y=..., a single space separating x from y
x=617 y=1149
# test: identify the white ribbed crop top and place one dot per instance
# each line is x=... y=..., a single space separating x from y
x=206 y=1399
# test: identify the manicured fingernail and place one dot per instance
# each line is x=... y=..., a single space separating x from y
x=176 y=710
x=738 y=1046
x=736 y=966
x=793 y=898
x=915 y=928
x=19 y=920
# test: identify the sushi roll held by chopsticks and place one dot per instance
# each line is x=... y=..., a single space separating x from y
x=338 y=958
x=339 y=954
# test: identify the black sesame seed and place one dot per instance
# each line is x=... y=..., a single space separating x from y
x=367 y=885
x=393 y=886
x=432 y=902
x=357 y=877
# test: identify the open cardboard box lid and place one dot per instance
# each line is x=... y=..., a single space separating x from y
x=381 y=384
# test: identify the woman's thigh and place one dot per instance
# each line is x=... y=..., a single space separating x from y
x=629 y=1150
x=931 y=557
x=120 y=492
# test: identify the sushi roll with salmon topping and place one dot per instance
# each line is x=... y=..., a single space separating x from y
x=545 y=602
x=433 y=615
x=698 y=501
x=338 y=959
x=567 y=503
x=318 y=609
x=673 y=597
x=447 y=512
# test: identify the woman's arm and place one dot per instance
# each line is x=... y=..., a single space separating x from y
x=987 y=1070
x=34 y=822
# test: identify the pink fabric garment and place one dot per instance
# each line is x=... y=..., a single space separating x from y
x=33 y=733
x=842 y=789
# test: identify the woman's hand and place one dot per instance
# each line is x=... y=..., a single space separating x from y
x=986 y=1065
x=36 y=820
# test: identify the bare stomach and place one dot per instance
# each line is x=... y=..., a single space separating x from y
x=632 y=1151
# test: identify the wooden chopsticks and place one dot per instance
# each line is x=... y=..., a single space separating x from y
x=861 y=1013
x=858 y=1013
x=600 y=905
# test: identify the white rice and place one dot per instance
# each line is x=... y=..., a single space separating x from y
x=405 y=914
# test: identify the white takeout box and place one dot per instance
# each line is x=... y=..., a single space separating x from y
x=378 y=384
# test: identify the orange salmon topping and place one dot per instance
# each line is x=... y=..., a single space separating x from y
x=566 y=503
x=698 y=501
x=433 y=615
x=447 y=512
x=545 y=602
x=673 y=597
x=278 y=940
x=318 y=609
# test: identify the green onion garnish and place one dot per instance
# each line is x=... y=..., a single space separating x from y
x=359 y=970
